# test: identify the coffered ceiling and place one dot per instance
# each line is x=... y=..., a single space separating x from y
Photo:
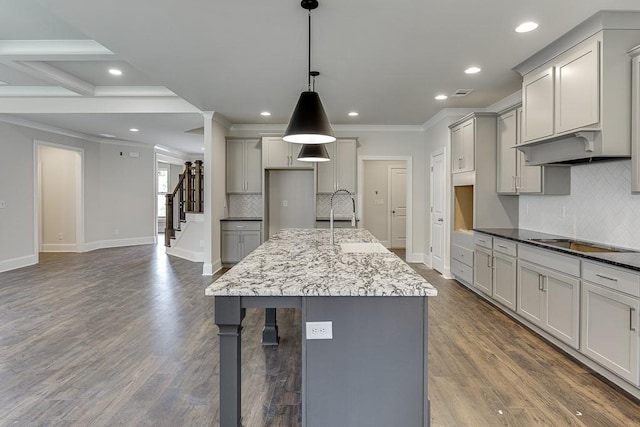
x=384 y=59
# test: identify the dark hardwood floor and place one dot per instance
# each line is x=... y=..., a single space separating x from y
x=126 y=337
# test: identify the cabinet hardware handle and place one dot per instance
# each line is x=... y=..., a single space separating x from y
x=540 y=281
x=503 y=247
x=493 y=263
x=518 y=182
x=513 y=179
x=440 y=220
x=460 y=164
x=544 y=283
x=483 y=241
x=615 y=279
x=631 y=316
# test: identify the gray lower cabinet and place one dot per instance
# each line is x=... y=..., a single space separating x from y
x=504 y=279
x=239 y=239
x=550 y=300
x=610 y=318
x=483 y=277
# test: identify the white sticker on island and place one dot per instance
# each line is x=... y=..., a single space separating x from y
x=319 y=330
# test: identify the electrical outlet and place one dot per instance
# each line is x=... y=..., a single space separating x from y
x=285 y=203
x=319 y=330
x=116 y=232
x=3 y=204
x=60 y=236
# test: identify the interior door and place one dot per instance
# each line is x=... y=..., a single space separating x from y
x=437 y=211
x=398 y=195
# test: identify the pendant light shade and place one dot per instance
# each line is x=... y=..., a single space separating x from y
x=313 y=153
x=309 y=123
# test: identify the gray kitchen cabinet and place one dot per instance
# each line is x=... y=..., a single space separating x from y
x=340 y=172
x=239 y=239
x=504 y=273
x=279 y=154
x=609 y=326
x=462 y=262
x=635 y=119
x=463 y=147
x=244 y=166
x=549 y=299
x=538 y=103
x=514 y=176
x=483 y=270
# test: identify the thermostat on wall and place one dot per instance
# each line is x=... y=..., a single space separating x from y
x=134 y=154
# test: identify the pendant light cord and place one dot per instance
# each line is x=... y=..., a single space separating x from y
x=309 y=64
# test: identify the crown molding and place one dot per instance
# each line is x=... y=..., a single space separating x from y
x=47 y=128
x=279 y=128
x=448 y=112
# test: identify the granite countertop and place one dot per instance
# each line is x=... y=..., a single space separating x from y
x=241 y=218
x=300 y=262
x=629 y=259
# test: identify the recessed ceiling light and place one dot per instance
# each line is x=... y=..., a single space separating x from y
x=265 y=113
x=115 y=72
x=3 y=83
x=202 y=148
x=525 y=27
x=441 y=97
x=134 y=130
x=354 y=113
x=472 y=70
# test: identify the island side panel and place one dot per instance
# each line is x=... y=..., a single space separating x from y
x=374 y=370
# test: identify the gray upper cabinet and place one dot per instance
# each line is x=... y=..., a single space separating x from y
x=514 y=176
x=635 y=119
x=244 y=166
x=538 y=102
x=279 y=154
x=340 y=172
x=463 y=147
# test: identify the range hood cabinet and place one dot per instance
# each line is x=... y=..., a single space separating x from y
x=581 y=147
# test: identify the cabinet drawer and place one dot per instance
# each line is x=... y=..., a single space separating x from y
x=241 y=225
x=483 y=240
x=462 y=272
x=611 y=277
x=464 y=255
x=506 y=247
x=550 y=259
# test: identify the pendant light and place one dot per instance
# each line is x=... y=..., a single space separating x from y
x=309 y=123
x=313 y=153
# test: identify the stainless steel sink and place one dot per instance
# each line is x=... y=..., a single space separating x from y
x=578 y=246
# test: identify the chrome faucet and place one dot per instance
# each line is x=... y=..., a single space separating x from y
x=353 y=214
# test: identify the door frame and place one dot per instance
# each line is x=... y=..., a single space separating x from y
x=171 y=160
x=410 y=256
x=37 y=192
x=390 y=168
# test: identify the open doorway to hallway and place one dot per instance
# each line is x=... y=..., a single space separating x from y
x=385 y=200
x=59 y=198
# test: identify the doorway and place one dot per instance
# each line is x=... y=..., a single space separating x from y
x=438 y=217
x=59 y=199
x=378 y=177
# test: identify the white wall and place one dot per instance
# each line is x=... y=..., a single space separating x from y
x=118 y=193
x=600 y=207
x=58 y=198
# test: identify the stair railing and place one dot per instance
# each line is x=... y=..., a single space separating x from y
x=189 y=192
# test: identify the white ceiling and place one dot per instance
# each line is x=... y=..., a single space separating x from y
x=384 y=59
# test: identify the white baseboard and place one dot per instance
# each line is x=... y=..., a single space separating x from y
x=59 y=247
x=417 y=257
x=117 y=243
x=211 y=269
x=186 y=254
x=12 y=264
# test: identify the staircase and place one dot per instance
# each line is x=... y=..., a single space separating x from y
x=184 y=229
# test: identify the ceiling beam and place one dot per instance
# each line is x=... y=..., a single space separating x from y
x=62 y=78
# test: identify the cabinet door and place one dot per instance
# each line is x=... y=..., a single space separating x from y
x=529 y=179
x=610 y=330
x=578 y=89
x=276 y=153
x=507 y=138
x=529 y=292
x=345 y=164
x=457 y=155
x=253 y=167
x=468 y=146
x=327 y=171
x=562 y=302
x=235 y=167
x=250 y=241
x=538 y=104
x=230 y=250
x=294 y=150
x=483 y=268
x=504 y=280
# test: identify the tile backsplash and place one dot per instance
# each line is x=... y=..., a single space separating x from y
x=342 y=205
x=245 y=205
x=600 y=208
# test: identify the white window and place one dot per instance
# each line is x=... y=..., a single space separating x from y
x=163 y=189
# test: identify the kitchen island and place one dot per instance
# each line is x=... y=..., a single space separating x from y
x=373 y=370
